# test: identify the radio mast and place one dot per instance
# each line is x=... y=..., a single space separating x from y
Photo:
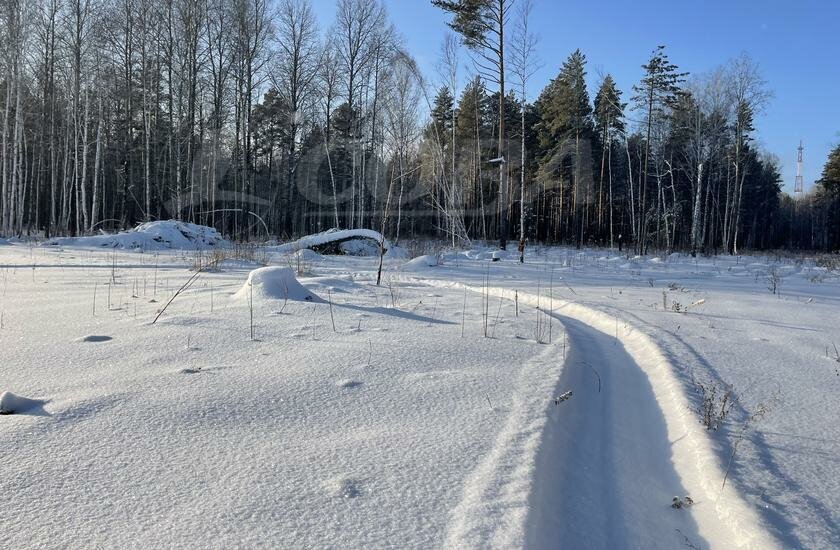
x=798 y=188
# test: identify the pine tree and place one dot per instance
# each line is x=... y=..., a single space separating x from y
x=440 y=135
x=609 y=112
x=481 y=24
x=830 y=179
x=829 y=188
x=566 y=126
x=564 y=104
x=654 y=95
x=442 y=114
x=472 y=128
x=743 y=126
x=472 y=112
x=762 y=188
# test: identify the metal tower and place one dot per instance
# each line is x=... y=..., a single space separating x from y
x=797 y=186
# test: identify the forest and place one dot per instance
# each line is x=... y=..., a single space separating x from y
x=253 y=117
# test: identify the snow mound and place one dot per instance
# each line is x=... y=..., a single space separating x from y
x=421 y=263
x=354 y=242
x=159 y=235
x=275 y=283
x=493 y=254
x=12 y=404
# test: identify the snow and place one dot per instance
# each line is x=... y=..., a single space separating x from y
x=421 y=263
x=341 y=284
x=395 y=252
x=646 y=464
x=16 y=404
x=94 y=338
x=189 y=425
x=735 y=331
x=420 y=413
x=359 y=248
x=157 y=235
x=274 y=283
x=307 y=255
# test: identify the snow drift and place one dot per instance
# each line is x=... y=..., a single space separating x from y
x=421 y=263
x=352 y=242
x=158 y=235
x=275 y=283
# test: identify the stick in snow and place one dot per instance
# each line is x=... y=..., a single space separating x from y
x=563 y=397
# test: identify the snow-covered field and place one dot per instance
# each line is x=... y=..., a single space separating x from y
x=421 y=413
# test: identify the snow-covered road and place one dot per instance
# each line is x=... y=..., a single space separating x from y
x=605 y=466
x=614 y=455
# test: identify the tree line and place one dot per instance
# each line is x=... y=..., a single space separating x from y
x=248 y=116
x=812 y=222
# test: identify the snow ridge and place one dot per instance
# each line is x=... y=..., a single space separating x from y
x=495 y=498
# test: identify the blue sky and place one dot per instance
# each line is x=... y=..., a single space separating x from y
x=797 y=46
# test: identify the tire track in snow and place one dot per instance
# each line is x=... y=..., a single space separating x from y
x=608 y=464
x=604 y=473
x=653 y=394
x=777 y=514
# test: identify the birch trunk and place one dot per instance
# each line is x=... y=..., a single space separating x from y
x=94 y=209
x=83 y=182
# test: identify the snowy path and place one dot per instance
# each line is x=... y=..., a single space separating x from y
x=610 y=462
x=605 y=470
x=625 y=452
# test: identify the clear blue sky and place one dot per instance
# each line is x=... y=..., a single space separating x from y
x=796 y=43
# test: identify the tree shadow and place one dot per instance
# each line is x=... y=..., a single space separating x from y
x=391 y=312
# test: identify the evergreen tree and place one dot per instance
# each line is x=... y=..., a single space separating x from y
x=442 y=114
x=609 y=113
x=762 y=188
x=439 y=136
x=564 y=104
x=829 y=191
x=473 y=134
x=830 y=180
x=743 y=127
x=472 y=110
x=512 y=110
x=609 y=110
x=481 y=24
x=565 y=132
x=654 y=96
